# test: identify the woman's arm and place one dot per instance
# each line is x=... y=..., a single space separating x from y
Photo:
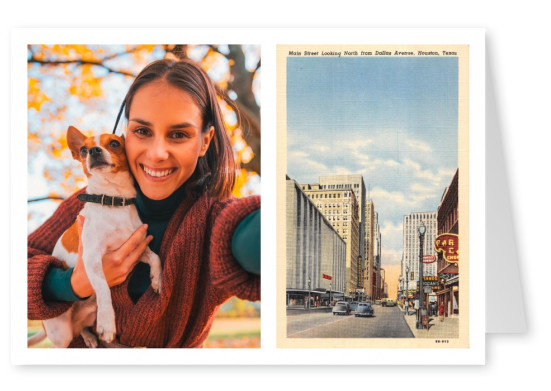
x=227 y=272
x=246 y=243
x=117 y=264
x=51 y=286
x=40 y=245
x=73 y=284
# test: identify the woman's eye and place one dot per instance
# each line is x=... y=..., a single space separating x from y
x=83 y=151
x=179 y=135
x=141 y=131
x=114 y=144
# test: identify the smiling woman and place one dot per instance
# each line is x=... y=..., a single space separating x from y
x=181 y=158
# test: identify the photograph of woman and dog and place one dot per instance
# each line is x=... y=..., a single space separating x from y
x=152 y=236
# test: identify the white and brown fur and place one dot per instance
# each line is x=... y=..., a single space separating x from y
x=105 y=228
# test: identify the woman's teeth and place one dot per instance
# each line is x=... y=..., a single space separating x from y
x=159 y=173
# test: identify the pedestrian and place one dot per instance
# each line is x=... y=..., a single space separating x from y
x=182 y=161
x=441 y=311
x=407 y=307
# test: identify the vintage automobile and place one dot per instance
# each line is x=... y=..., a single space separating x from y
x=342 y=308
x=364 y=309
x=353 y=305
x=390 y=303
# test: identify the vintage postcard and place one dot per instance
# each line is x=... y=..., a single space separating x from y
x=373 y=196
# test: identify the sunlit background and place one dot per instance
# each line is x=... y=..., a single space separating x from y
x=84 y=86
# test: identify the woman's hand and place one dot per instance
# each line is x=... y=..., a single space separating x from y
x=117 y=264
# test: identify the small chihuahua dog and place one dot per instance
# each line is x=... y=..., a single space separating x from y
x=110 y=217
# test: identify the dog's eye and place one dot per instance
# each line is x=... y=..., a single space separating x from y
x=83 y=151
x=114 y=144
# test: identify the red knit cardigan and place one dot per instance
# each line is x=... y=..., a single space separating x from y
x=199 y=274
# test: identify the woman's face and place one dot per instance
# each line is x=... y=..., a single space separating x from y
x=164 y=139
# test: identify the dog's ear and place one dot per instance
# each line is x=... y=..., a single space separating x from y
x=75 y=140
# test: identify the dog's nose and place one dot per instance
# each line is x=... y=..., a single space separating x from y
x=95 y=151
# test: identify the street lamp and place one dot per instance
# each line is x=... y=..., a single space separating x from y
x=421 y=229
x=360 y=275
x=330 y=302
x=309 y=281
x=406 y=304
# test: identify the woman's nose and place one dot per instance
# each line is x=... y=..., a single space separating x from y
x=158 y=150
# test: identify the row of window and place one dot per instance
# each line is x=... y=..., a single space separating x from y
x=335 y=212
x=330 y=195
x=342 y=186
x=337 y=218
x=320 y=205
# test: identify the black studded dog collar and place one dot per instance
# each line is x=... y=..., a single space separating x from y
x=106 y=200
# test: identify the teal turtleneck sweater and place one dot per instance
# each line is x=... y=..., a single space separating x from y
x=157 y=214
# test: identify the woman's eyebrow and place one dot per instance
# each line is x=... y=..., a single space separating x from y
x=175 y=126
x=140 y=121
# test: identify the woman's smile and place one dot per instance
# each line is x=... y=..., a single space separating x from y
x=157 y=174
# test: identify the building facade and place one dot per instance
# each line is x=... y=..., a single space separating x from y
x=357 y=185
x=375 y=268
x=448 y=272
x=370 y=234
x=314 y=251
x=340 y=209
x=409 y=278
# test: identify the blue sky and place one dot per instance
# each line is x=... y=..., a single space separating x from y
x=393 y=120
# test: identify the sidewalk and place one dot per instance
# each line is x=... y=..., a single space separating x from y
x=449 y=328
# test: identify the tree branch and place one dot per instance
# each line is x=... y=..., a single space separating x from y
x=45 y=198
x=80 y=62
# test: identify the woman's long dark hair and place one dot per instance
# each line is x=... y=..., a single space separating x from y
x=216 y=169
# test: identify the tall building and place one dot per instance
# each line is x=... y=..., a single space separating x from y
x=357 y=185
x=369 y=243
x=340 y=209
x=314 y=249
x=376 y=266
x=373 y=248
x=410 y=258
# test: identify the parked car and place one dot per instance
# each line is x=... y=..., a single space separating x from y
x=377 y=302
x=390 y=303
x=353 y=305
x=364 y=309
x=342 y=307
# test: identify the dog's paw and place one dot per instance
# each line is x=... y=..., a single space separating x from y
x=106 y=335
x=106 y=326
x=89 y=338
x=156 y=282
x=156 y=271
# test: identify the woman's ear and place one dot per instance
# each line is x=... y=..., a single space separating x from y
x=205 y=140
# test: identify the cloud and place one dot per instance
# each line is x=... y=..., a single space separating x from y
x=390 y=256
x=392 y=241
x=399 y=181
x=418 y=146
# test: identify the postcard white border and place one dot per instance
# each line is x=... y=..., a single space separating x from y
x=268 y=354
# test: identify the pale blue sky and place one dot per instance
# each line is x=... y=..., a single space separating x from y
x=393 y=120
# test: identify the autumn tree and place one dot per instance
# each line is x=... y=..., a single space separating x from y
x=84 y=85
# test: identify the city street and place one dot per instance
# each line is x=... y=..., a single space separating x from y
x=388 y=322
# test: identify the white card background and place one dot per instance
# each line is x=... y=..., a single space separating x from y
x=503 y=284
x=518 y=82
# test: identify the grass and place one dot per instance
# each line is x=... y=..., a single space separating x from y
x=225 y=333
